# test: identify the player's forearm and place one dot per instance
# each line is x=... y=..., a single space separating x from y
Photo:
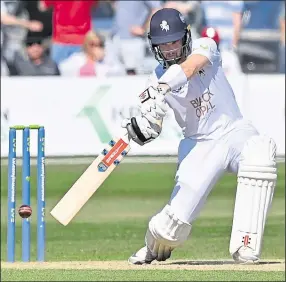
x=178 y=75
x=194 y=64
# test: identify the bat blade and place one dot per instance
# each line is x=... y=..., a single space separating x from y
x=81 y=191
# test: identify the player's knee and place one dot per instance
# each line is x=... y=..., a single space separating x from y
x=259 y=150
x=167 y=229
x=258 y=159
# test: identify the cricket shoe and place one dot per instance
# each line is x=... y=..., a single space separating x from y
x=245 y=255
x=143 y=256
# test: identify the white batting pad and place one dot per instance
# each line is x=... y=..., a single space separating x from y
x=256 y=182
x=166 y=232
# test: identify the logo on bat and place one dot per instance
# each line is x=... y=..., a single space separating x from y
x=102 y=167
x=113 y=154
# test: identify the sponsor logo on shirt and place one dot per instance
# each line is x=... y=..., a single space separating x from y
x=203 y=105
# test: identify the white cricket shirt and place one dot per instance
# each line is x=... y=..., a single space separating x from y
x=205 y=107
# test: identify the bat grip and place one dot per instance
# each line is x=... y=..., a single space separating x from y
x=159 y=122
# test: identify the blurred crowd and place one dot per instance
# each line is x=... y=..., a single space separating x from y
x=109 y=38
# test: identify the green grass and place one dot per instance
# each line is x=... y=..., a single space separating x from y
x=112 y=225
x=139 y=275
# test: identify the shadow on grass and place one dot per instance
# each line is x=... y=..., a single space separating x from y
x=219 y=262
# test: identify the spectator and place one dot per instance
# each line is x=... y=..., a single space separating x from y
x=211 y=33
x=91 y=61
x=230 y=62
x=33 y=61
x=45 y=17
x=102 y=17
x=192 y=12
x=226 y=18
x=71 y=21
x=14 y=26
x=259 y=15
x=129 y=30
x=282 y=40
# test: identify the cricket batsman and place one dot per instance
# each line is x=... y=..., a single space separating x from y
x=189 y=79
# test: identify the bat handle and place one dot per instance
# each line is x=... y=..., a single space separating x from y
x=125 y=136
x=159 y=122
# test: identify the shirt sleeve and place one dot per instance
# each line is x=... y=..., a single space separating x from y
x=206 y=47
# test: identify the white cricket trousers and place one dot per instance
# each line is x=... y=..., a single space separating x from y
x=201 y=164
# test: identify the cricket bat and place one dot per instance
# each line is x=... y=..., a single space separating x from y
x=81 y=191
x=88 y=183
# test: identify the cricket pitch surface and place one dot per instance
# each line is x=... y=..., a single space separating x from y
x=204 y=265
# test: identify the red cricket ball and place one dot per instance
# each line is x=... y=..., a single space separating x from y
x=25 y=211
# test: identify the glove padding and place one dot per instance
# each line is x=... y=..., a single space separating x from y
x=140 y=130
x=155 y=108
